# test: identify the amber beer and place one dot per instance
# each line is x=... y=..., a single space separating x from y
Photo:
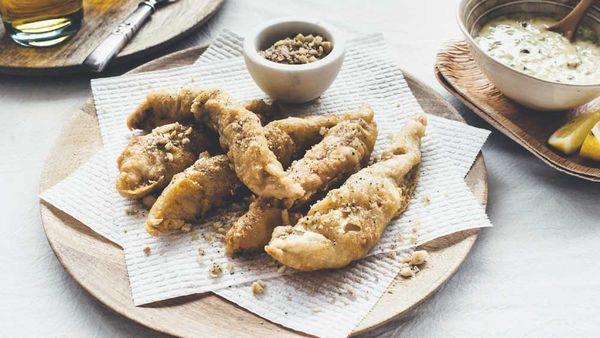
x=41 y=23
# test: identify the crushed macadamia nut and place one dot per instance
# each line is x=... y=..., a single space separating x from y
x=298 y=50
x=215 y=270
x=419 y=257
x=407 y=272
x=258 y=287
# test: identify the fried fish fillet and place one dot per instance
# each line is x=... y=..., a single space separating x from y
x=342 y=152
x=168 y=106
x=149 y=161
x=209 y=183
x=244 y=138
x=348 y=222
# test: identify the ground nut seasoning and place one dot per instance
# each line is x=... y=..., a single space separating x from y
x=298 y=50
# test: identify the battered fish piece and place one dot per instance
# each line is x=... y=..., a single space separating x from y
x=349 y=221
x=168 y=106
x=343 y=151
x=149 y=161
x=244 y=138
x=209 y=183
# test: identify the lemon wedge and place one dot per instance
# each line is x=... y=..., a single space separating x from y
x=591 y=145
x=571 y=136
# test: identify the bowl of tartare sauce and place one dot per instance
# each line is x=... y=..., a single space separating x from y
x=533 y=66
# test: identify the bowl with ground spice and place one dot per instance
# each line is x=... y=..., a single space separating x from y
x=294 y=59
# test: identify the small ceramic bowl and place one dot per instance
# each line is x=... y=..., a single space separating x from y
x=292 y=83
x=527 y=90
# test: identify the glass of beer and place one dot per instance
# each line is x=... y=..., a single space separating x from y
x=41 y=23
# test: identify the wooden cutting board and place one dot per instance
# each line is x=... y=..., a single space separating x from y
x=99 y=265
x=101 y=17
x=459 y=74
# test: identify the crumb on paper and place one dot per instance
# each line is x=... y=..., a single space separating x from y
x=131 y=211
x=316 y=309
x=148 y=201
x=282 y=269
x=425 y=199
x=414 y=239
x=200 y=259
x=392 y=254
x=351 y=292
x=147 y=250
x=230 y=268
x=187 y=227
x=414 y=229
x=419 y=257
x=215 y=270
x=258 y=287
x=407 y=272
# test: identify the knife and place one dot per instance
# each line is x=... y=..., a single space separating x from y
x=108 y=49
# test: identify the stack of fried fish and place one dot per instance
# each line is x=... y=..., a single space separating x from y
x=316 y=204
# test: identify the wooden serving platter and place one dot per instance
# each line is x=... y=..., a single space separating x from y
x=459 y=74
x=168 y=24
x=98 y=265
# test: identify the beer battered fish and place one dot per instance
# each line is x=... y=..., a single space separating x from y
x=244 y=138
x=349 y=221
x=211 y=182
x=168 y=106
x=149 y=161
x=345 y=148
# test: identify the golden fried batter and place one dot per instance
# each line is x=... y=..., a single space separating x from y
x=167 y=106
x=244 y=138
x=344 y=149
x=348 y=222
x=209 y=183
x=149 y=161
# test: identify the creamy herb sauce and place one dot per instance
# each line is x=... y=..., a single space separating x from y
x=526 y=45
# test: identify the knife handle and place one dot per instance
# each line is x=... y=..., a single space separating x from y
x=107 y=49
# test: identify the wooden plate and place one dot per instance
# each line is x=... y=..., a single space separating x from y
x=167 y=25
x=99 y=265
x=457 y=71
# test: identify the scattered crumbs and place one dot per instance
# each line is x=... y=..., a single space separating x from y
x=413 y=239
x=148 y=201
x=282 y=269
x=194 y=236
x=419 y=257
x=351 y=292
x=258 y=287
x=200 y=259
x=131 y=211
x=147 y=250
x=407 y=272
x=215 y=270
x=187 y=227
x=392 y=254
x=425 y=199
x=414 y=229
x=230 y=268
x=316 y=309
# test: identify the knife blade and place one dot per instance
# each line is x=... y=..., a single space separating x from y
x=99 y=58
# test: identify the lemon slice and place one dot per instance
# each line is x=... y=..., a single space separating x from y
x=591 y=145
x=570 y=137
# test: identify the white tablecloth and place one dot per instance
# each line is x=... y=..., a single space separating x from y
x=535 y=273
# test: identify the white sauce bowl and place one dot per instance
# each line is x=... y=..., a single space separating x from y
x=527 y=90
x=292 y=83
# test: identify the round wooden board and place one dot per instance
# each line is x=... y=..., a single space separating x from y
x=98 y=265
x=168 y=24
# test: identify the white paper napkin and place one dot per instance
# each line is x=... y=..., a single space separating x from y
x=172 y=269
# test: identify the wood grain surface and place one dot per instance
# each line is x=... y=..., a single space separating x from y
x=166 y=25
x=457 y=71
x=98 y=265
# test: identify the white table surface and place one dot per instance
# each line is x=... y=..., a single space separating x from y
x=536 y=273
